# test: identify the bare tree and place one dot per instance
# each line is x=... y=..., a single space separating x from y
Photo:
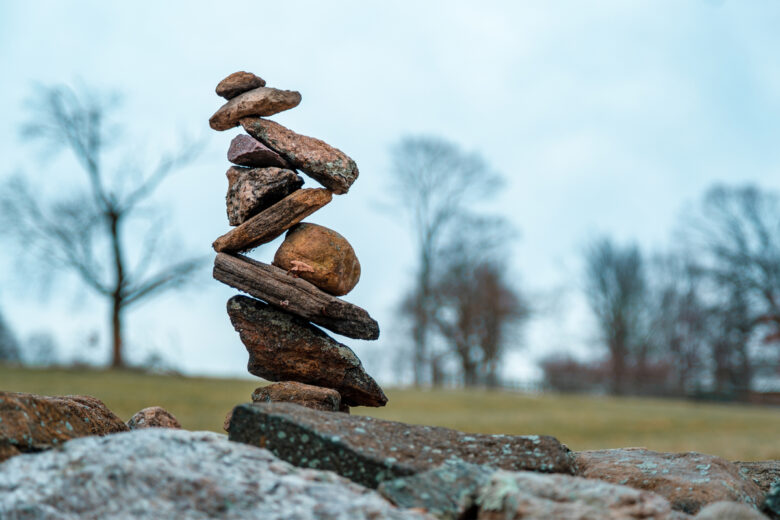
x=85 y=230
x=9 y=346
x=434 y=182
x=616 y=288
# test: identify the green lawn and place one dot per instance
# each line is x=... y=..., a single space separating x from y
x=732 y=431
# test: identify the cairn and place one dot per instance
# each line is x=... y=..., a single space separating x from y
x=310 y=270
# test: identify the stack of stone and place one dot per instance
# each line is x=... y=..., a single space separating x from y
x=313 y=266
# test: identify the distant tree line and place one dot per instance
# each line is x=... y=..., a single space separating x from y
x=701 y=319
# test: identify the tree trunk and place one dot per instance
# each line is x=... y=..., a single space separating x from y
x=118 y=302
x=116 y=333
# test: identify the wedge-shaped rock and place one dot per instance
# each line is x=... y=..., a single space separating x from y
x=251 y=190
x=321 y=256
x=325 y=164
x=293 y=295
x=245 y=150
x=262 y=101
x=283 y=347
x=310 y=396
x=31 y=423
x=238 y=83
x=370 y=451
x=273 y=221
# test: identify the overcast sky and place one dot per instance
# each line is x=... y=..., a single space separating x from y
x=604 y=117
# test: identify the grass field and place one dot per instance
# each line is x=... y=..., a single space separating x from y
x=582 y=422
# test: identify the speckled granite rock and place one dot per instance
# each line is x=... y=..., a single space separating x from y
x=370 y=451
x=251 y=190
x=310 y=396
x=238 y=83
x=153 y=417
x=329 y=260
x=688 y=480
x=30 y=423
x=728 y=511
x=534 y=496
x=283 y=347
x=763 y=472
x=245 y=150
x=174 y=474
x=327 y=165
x=262 y=101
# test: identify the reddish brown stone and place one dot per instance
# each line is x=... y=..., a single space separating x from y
x=310 y=396
x=238 y=83
x=30 y=423
x=251 y=190
x=262 y=101
x=7 y=451
x=153 y=417
x=331 y=261
x=327 y=165
x=245 y=150
x=283 y=347
x=688 y=480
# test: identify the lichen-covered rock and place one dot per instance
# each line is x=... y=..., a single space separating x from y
x=534 y=496
x=771 y=504
x=245 y=150
x=310 y=396
x=327 y=165
x=331 y=261
x=448 y=492
x=370 y=451
x=262 y=101
x=688 y=480
x=763 y=472
x=31 y=423
x=153 y=417
x=728 y=511
x=175 y=474
x=251 y=190
x=238 y=83
x=283 y=347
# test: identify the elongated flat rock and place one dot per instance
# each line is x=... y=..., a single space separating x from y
x=251 y=190
x=310 y=396
x=369 y=451
x=262 y=101
x=245 y=150
x=294 y=295
x=273 y=221
x=238 y=83
x=325 y=164
x=283 y=347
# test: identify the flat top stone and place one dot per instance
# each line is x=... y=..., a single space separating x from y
x=310 y=396
x=238 y=83
x=262 y=101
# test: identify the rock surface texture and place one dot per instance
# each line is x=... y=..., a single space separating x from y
x=370 y=451
x=763 y=473
x=252 y=190
x=245 y=150
x=153 y=417
x=688 y=480
x=334 y=267
x=262 y=101
x=238 y=83
x=283 y=347
x=327 y=165
x=314 y=397
x=728 y=511
x=175 y=474
x=32 y=423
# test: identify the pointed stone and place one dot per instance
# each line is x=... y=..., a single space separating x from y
x=325 y=164
x=310 y=396
x=245 y=150
x=252 y=190
x=283 y=347
x=273 y=221
x=238 y=83
x=262 y=101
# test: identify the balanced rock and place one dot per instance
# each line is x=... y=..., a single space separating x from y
x=31 y=423
x=369 y=451
x=153 y=417
x=688 y=480
x=252 y=190
x=262 y=101
x=294 y=295
x=310 y=396
x=238 y=83
x=273 y=221
x=245 y=150
x=321 y=256
x=165 y=474
x=283 y=347
x=327 y=165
